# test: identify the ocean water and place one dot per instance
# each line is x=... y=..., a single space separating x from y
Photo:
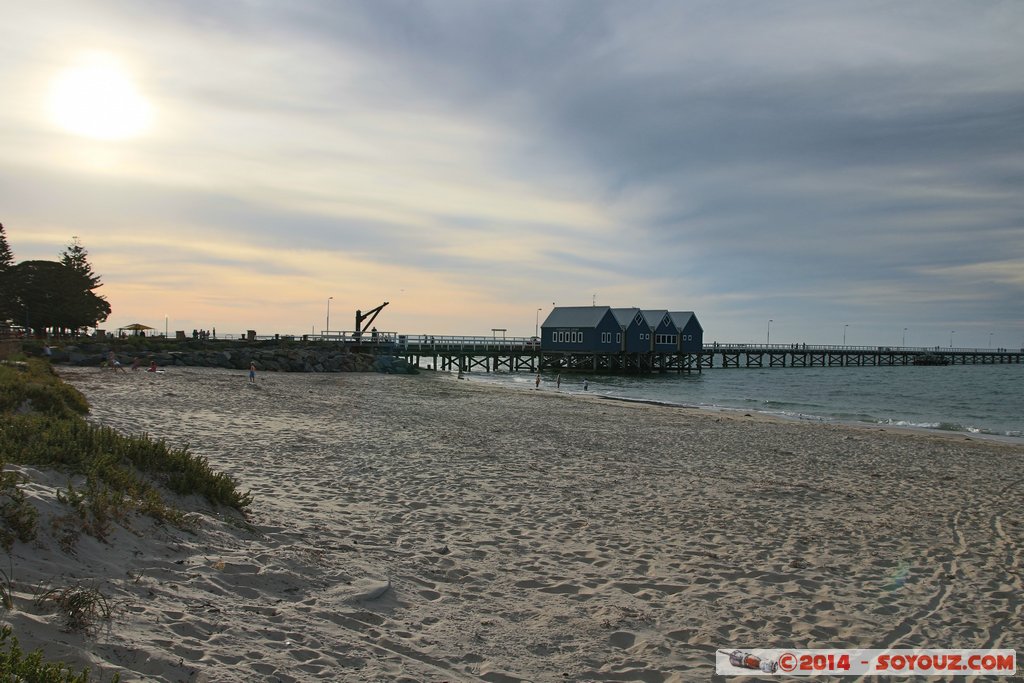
x=976 y=399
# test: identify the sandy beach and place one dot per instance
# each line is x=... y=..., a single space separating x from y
x=422 y=528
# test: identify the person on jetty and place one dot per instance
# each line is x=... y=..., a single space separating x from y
x=252 y=372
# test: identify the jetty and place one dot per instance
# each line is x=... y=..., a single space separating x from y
x=525 y=354
x=499 y=353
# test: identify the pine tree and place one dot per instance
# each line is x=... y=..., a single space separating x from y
x=77 y=258
x=48 y=295
x=6 y=263
x=6 y=256
x=82 y=307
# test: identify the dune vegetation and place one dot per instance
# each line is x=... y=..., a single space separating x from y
x=111 y=479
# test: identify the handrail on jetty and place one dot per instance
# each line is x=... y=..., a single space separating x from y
x=717 y=346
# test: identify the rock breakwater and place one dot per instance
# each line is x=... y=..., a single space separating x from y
x=280 y=358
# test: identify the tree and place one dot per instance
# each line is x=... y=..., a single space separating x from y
x=77 y=258
x=88 y=308
x=6 y=256
x=51 y=295
x=6 y=263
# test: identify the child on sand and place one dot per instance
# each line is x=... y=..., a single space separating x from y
x=252 y=372
x=115 y=364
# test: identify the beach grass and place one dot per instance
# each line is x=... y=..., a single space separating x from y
x=42 y=425
x=111 y=477
x=81 y=606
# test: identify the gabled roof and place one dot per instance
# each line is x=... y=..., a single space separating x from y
x=624 y=316
x=654 y=317
x=575 y=316
x=682 y=318
x=591 y=316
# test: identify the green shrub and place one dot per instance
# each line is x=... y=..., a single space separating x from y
x=16 y=665
x=41 y=425
x=33 y=385
x=18 y=517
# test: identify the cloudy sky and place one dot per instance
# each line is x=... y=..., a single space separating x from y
x=837 y=168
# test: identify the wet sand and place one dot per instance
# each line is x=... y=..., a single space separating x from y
x=421 y=528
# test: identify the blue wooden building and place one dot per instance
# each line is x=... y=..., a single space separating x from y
x=626 y=339
x=691 y=334
x=581 y=328
x=636 y=331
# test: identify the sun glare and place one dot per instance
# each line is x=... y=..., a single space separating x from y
x=97 y=98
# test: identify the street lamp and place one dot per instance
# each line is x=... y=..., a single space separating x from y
x=536 y=324
x=768 y=341
x=904 y=336
x=844 y=333
x=165 y=326
x=990 y=339
x=329 y=315
x=951 y=333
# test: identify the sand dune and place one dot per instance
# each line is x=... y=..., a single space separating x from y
x=420 y=528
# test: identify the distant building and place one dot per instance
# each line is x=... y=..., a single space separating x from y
x=636 y=330
x=664 y=331
x=602 y=329
x=582 y=329
x=691 y=334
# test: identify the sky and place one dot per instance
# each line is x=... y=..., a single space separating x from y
x=813 y=171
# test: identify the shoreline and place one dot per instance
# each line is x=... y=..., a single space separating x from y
x=422 y=528
x=933 y=432
x=765 y=414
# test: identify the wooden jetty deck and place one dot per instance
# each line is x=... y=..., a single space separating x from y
x=524 y=354
x=804 y=355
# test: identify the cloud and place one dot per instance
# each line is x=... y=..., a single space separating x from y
x=760 y=159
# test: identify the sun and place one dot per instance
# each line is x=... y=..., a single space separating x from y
x=97 y=98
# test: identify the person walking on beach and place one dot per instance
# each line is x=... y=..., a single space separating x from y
x=586 y=385
x=252 y=372
x=558 y=381
x=537 y=384
x=115 y=364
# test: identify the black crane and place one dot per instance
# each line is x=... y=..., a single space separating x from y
x=371 y=314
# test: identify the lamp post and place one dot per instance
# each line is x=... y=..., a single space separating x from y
x=536 y=324
x=165 y=326
x=951 y=333
x=768 y=341
x=844 y=333
x=990 y=339
x=904 y=336
x=329 y=315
